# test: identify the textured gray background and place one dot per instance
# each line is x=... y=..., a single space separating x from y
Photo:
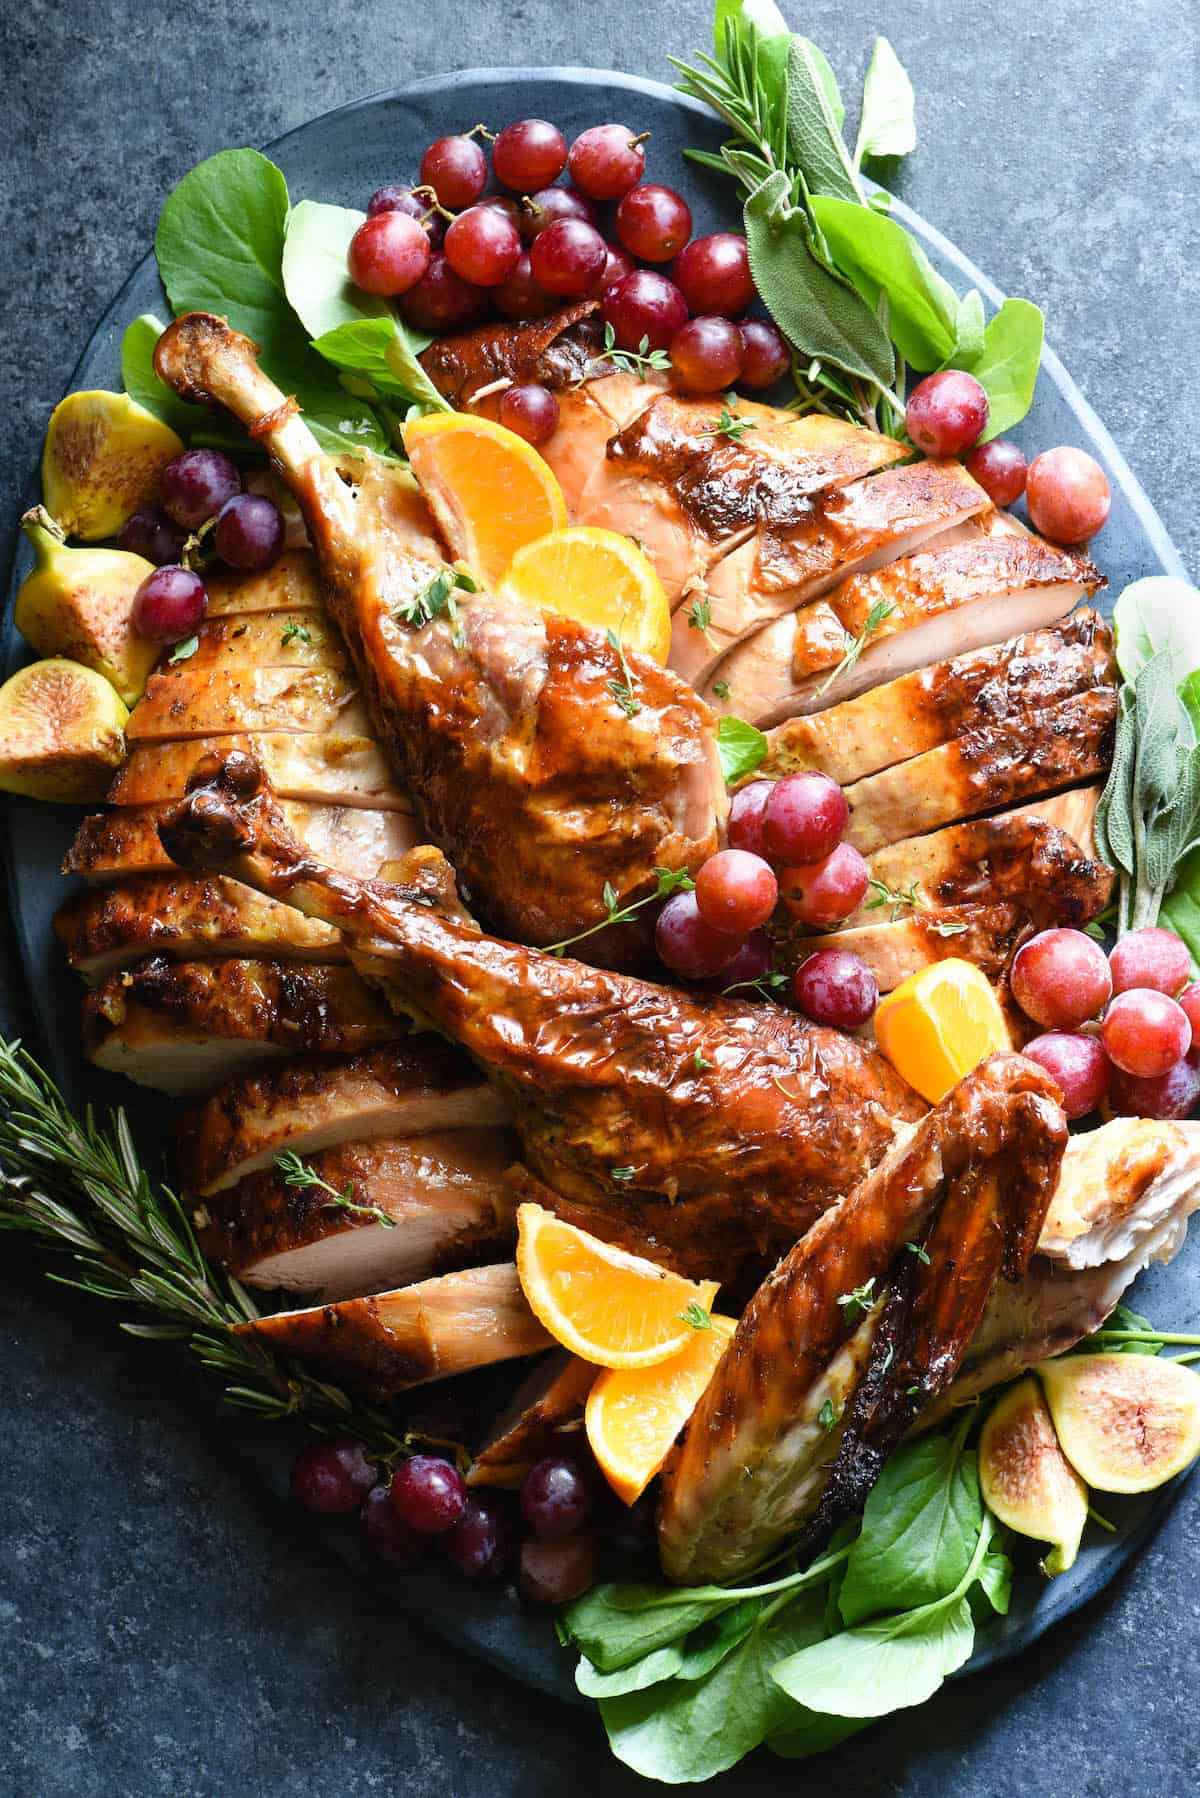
x=163 y=1628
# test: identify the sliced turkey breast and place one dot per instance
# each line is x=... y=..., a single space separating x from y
x=984 y=934
x=1074 y=813
x=543 y=1415
x=315 y=768
x=407 y=1089
x=291 y=639
x=383 y=1345
x=179 y=704
x=116 y=845
x=293 y=583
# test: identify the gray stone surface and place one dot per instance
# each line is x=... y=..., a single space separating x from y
x=163 y=1627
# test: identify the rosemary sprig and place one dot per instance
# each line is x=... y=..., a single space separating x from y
x=298 y=1173
x=666 y=882
x=881 y=610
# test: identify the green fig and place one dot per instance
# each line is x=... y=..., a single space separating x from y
x=78 y=603
x=61 y=733
x=1025 y=1478
x=1127 y=1423
x=101 y=462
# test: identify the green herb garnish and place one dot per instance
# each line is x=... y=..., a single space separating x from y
x=696 y=1317
x=666 y=882
x=879 y=613
x=298 y=1173
x=294 y=632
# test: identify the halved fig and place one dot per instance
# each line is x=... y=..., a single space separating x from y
x=1025 y=1478
x=61 y=732
x=103 y=456
x=1126 y=1423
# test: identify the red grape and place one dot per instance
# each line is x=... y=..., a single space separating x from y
x=686 y=944
x=428 y=1494
x=835 y=987
x=767 y=356
x=653 y=222
x=1068 y=494
x=828 y=891
x=441 y=300
x=419 y=206
x=150 y=534
x=505 y=205
x=713 y=274
x=1170 y=1095
x=531 y=411
x=1152 y=958
x=606 y=161
x=385 y=1535
x=528 y=155
x=645 y=305
x=456 y=169
x=805 y=819
x=556 y=1497
x=746 y=811
x=551 y=204
x=1078 y=1064
x=482 y=246
x=1060 y=978
x=479 y=1545
x=1145 y=1033
x=706 y=355
x=249 y=531
x=946 y=413
x=1000 y=468
x=567 y=256
x=332 y=1476
x=735 y=892
x=388 y=254
x=169 y=605
x=520 y=296
x=194 y=486
x=555 y=1572
x=750 y=962
x=1189 y=998
x=616 y=266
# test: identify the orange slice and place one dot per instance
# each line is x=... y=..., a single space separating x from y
x=489 y=490
x=635 y=1413
x=600 y=579
x=939 y=1024
x=607 y=1306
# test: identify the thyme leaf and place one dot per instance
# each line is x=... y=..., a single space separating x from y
x=666 y=882
x=298 y=1173
x=880 y=611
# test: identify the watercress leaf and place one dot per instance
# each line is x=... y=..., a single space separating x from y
x=820 y=312
x=615 y=1625
x=1180 y=910
x=315 y=277
x=1160 y=611
x=888 y=124
x=968 y=331
x=707 y=1646
x=919 y=1529
x=814 y=134
x=995 y=1580
x=651 y=1670
x=741 y=747
x=381 y=350
x=143 y=385
x=883 y=1666
x=879 y=256
x=813 y=1733
x=1007 y=366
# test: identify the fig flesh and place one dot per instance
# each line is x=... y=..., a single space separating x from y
x=1126 y=1423
x=101 y=462
x=1026 y=1480
x=61 y=732
x=78 y=603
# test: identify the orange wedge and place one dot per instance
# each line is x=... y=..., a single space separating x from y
x=939 y=1024
x=600 y=579
x=605 y=1305
x=489 y=490
x=635 y=1413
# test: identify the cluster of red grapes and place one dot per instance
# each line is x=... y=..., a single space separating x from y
x=425 y=1507
x=452 y=253
x=786 y=840
x=198 y=486
x=1117 y=1027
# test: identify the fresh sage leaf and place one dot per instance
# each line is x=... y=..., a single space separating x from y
x=919 y=1530
x=1007 y=365
x=879 y=256
x=888 y=125
x=1115 y=812
x=651 y=1670
x=1160 y=611
x=814 y=134
x=884 y=1666
x=764 y=15
x=742 y=748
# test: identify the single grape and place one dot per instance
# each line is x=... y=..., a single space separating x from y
x=735 y=892
x=556 y=1497
x=751 y=962
x=169 y=605
x=531 y=411
x=1000 y=468
x=645 y=305
x=1060 y=978
x=835 y=987
x=456 y=169
x=1145 y=1033
x=384 y=1533
x=479 y=1545
x=822 y=895
x=1068 y=494
x=428 y=1494
x=616 y=266
x=505 y=205
x=707 y=355
x=567 y=257
x=441 y=300
x=555 y=1572
x=399 y=197
x=804 y=821
x=686 y=944
x=151 y=534
x=528 y=155
x=767 y=357
x=194 y=486
x=653 y=222
x=1078 y=1064
x=520 y=297
x=946 y=413
x=606 y=161
x=1172 y=1095
x=483 y=246
x=551 y=204
x=1152 y=957
x=1189 y=998
x=746 y=811
x=713 y=274
x=250 y=531
x=388 y=254
x=332 y=1476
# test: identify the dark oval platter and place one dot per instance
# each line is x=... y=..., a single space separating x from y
x=341 y=157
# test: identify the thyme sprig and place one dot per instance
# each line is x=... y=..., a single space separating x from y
x=879 y=613
x=906 y=898
x=626 y=362
x=666 y=882
x=729 y=424
x=298 y=1173
x=622 y=690
x=436 y=599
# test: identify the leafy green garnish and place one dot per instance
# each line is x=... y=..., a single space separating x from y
x=666 y=882
x=294 y=632
x=314 y=273
x=906 y=898
x=299 y=1174
x=856 y=1304
x=1148 y=818
x=622 y=689
x=887 y=126
x=436 y=599
x=1159 y=612
x=696 y=1317
x=729 y=424
x=880 y=612
x=143 y=385
x=742 y=748
x=379 y=354
x=183 y=652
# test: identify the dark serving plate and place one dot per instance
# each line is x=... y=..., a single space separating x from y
x=341 y=157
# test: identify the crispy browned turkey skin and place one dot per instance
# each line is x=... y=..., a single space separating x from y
x=524 y=764
x=706 y=1133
